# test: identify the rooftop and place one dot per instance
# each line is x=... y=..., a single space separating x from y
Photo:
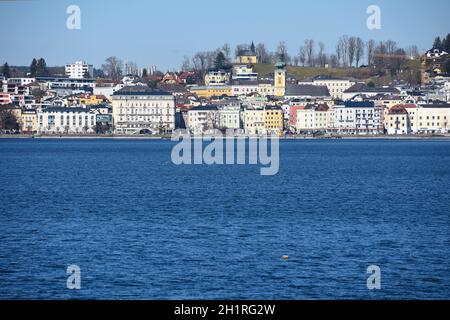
x=140 y=91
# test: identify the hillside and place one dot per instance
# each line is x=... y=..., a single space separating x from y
x=367 y=74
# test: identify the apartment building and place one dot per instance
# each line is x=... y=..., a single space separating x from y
x=313 y=117
x=79 y=70
x=140 y=110
x=358 y=117
x=64 y=120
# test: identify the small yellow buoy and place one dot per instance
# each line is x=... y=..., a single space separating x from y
x=285 y=257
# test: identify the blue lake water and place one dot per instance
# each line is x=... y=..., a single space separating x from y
x=140 y=227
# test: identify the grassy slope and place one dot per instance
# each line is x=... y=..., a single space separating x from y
x=363 y=74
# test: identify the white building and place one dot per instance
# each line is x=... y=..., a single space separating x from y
x=336 y=86
x=63 y=120
x=107 y=89
x=263 y=88
x=79 y=69
x=358 y=117
x=447 y=90
x=313 y=118
x=230 y=117
x=21 y=81
x=203 y=119
x=244 y=72
x=140 y=110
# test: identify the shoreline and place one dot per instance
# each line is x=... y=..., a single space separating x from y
x=122 y=137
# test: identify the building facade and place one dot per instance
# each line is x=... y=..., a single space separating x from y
x=217 y=78
x=63 y=120
x=203 y=119
x=140 y=110
x=79 y=70
x=358 y=117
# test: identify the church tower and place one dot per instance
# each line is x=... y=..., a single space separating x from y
x=280 y=79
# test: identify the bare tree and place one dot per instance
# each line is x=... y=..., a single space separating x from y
x=186 y=64
x=342 y=47
x=239 y=48
x=226 y=49
x=338 y=54
x=391 y=47
x=263 y=54
x=321 y=57
x=370 y=50
x=309 y=45
x=351 y=50
x=200 y=63
x=359 y=52
x=302 y=55
x=113 y=68
x=334 y=61
x=282 y=52
x=413 y=52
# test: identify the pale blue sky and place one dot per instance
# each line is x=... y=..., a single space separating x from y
x=161 y=32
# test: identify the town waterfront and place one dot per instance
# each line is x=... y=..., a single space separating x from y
x=140 y=227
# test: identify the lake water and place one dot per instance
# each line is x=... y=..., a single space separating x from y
x=140 y=227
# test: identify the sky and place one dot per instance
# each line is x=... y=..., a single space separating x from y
x=162 y=32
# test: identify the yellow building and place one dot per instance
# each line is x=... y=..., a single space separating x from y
x=254 y=121
x=432 y=119
x=247 y=57
x=29 y=121
x=273 y=120
x=92 y=99
x=280 y=79
x=211 y=91
x=217 y=78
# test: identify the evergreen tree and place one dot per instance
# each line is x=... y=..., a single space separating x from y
x=437 y=43
x=446 y=43
x=6 y=71
x=220 y=61
x=42 y=70
x=33 y=68
x=144 y=73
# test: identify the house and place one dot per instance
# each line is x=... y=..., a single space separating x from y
x=230 y=116
x=140 y=110
x=313 y=117
x=254 y=121
x=217 y=78
x=92 y=99
x=398 y=121
x=29 y=121
x=203 y=119
x=273 y=120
